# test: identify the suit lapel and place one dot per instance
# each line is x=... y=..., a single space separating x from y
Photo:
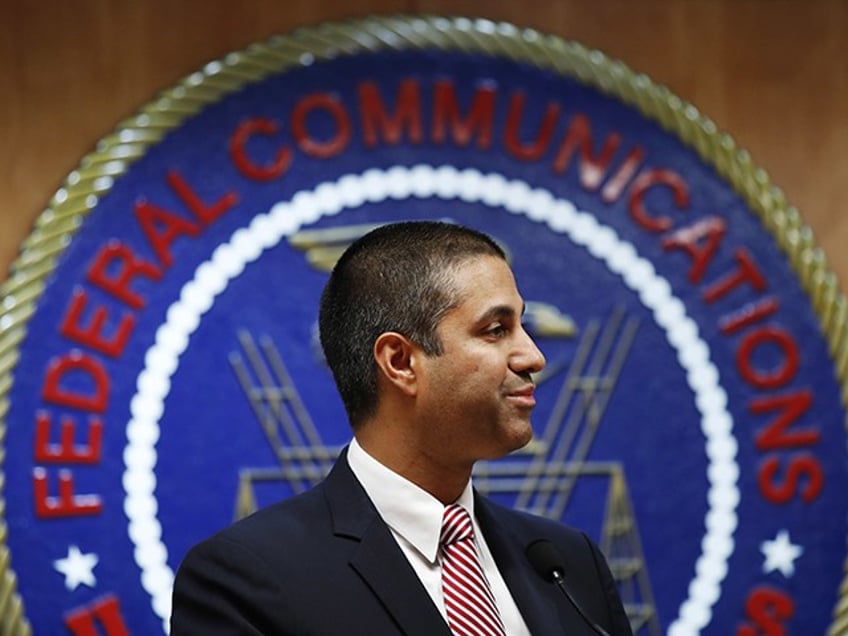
x=378 y=558
x=537 y=604
x=385 y=569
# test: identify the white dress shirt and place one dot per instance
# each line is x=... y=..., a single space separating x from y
x=414 y=517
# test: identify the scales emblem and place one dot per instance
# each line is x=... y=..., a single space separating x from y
x=540 y=478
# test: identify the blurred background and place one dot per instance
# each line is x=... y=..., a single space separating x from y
x=773 y=73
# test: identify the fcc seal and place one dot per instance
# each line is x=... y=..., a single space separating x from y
x=160 y=374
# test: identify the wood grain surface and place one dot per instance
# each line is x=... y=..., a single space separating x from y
x=773 y=73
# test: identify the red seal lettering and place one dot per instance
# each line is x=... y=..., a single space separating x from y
x=105 y=612
x=767 y=609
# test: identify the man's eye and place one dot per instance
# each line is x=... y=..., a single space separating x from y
x=497 y=330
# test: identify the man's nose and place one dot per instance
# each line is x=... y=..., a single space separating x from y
x=529 y=358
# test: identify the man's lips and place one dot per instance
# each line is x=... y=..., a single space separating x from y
x=523 y=395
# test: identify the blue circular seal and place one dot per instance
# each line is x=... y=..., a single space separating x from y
x=166 y=378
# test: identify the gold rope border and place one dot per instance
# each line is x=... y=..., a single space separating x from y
x=57 y=224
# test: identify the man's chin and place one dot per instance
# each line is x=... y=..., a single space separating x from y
x=519 y=440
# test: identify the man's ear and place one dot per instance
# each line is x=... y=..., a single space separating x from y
x=394 y=354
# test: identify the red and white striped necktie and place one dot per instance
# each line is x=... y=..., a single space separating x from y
x=469 y=601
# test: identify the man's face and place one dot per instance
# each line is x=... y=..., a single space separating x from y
x=476 y=397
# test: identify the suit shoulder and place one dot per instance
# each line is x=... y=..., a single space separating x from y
x=525 y=528
x=285 y=521
x=531 y=526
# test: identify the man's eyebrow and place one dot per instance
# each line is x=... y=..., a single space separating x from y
x=499 y=311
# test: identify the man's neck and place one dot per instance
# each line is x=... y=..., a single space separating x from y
x=445 y=482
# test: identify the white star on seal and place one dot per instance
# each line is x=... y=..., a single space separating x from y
x=780 y=554
x=77 y=568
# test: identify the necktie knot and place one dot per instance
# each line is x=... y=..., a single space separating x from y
x=456 y=525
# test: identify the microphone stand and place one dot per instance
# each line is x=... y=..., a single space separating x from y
x=556 y=575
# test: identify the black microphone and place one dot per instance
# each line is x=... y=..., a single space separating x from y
x=549 y=564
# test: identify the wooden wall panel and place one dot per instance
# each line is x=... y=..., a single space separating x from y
x=771 y=72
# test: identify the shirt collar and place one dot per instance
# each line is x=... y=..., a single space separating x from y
x=408 y=510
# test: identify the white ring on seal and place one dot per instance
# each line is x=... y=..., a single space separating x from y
x=446 y=182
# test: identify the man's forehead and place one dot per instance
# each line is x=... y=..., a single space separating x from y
x=488 y=282
x=476 y=262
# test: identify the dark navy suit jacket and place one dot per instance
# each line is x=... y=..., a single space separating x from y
x=324 y=563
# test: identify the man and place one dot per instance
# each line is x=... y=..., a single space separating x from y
x=421 y=327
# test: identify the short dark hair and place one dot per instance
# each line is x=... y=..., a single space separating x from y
x=398 y=277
